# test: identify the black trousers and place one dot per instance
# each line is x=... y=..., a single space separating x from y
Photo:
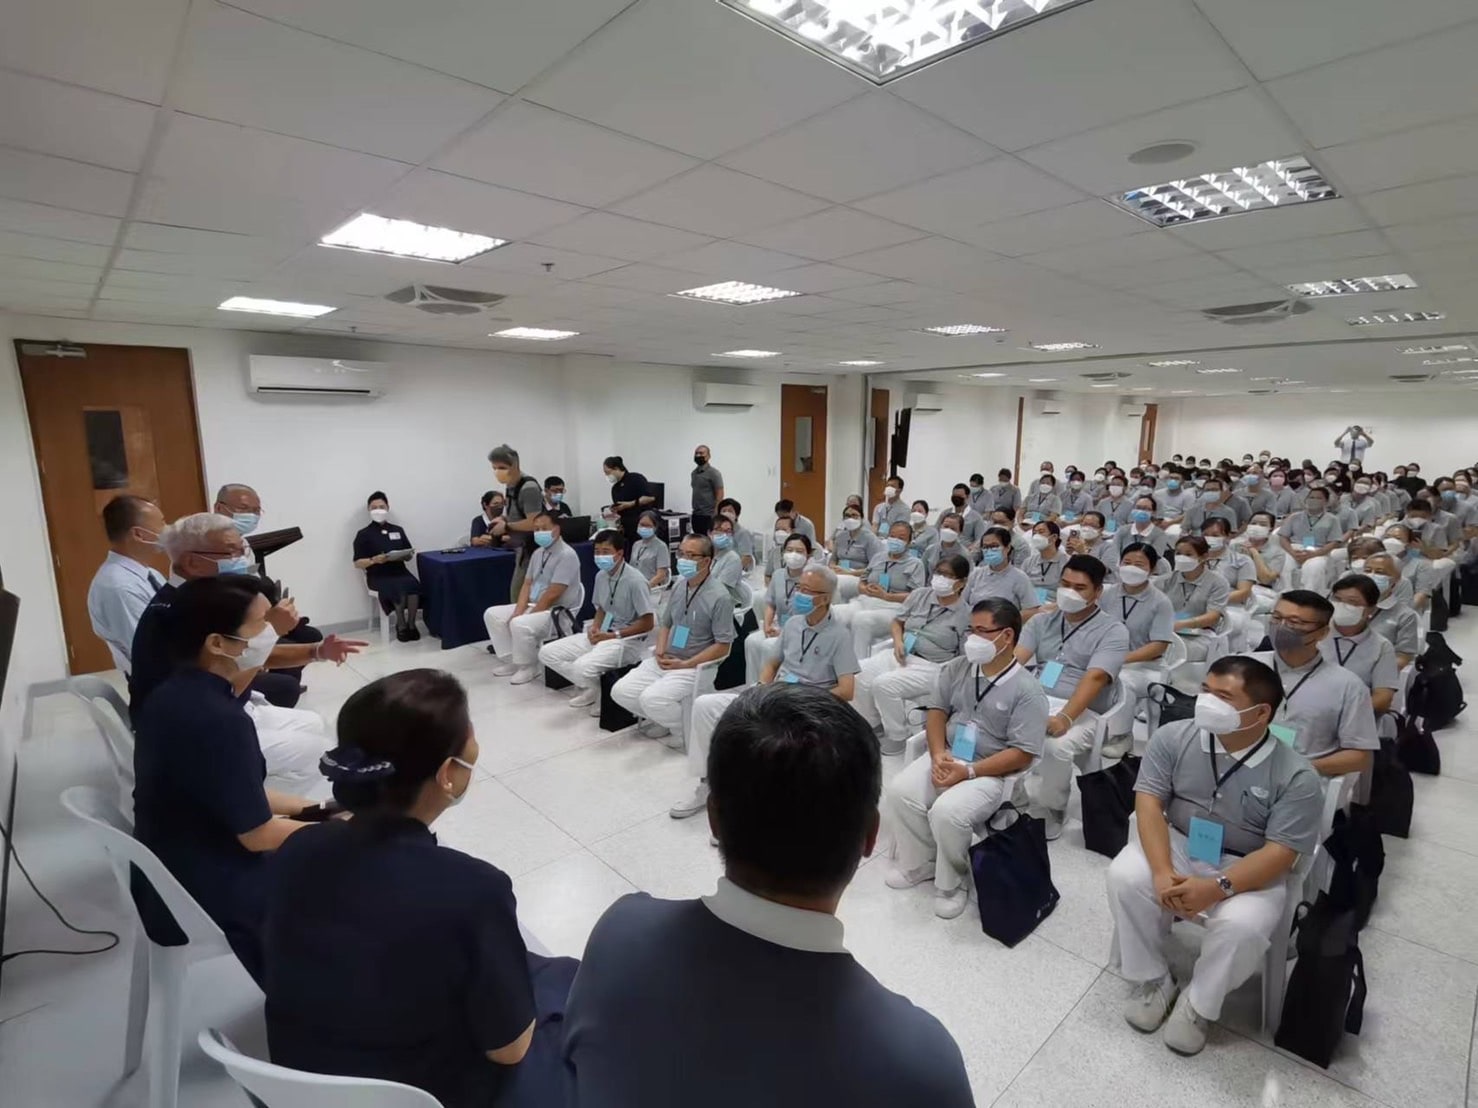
x=700 y=525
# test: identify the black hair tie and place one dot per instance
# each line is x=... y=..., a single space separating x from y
x=349 y=763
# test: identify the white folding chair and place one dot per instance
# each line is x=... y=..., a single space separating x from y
x=89 y=687
x=280 y=1087
x=703 y=678
x=1091 y=760
x=384 y=616
x=118 y=742
x=742 y=609
x=1338 y=793
x=156 y=992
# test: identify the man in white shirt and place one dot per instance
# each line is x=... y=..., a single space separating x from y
x=125 y=582
x=1353 y=441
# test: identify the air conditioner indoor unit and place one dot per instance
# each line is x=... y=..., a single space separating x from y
x=929 y=402
x=1046 y=405
x=710 y=396
x=1133 y=411
x=271 y=375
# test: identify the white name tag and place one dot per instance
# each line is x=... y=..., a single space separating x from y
x=394 y=535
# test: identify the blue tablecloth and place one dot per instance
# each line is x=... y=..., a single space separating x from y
x=457 y=588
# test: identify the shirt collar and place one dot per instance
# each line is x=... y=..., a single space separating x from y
x=132 y=565
x=795 y=928
x=1262 y=755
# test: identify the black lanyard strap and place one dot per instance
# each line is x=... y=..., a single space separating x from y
x=805 y=645
x=994 y=681
x=1128 y=608
x=1294 y=691
x=1237 y=763
x=1344 y=657
x=1075 y=630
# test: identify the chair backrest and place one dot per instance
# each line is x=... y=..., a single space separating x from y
x=1175 y=653
x=118 y=741
x=111 y=831
x=89 y=688
x=280 y=1087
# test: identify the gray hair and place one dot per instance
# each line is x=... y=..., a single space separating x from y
x=189 y=534
x=826 y=574
x=226 y=490
x=503 y=455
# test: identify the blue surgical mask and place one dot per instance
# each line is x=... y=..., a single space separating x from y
x=992 y=555
x=896 y=546
x=556 y=498
x=544 y=538
x=1449 y=494
x=246 y=522
x=722 y=541
x=605 y=561
x=687 y=567
x=646 y=532
x=1139 y=515
x=803 y=604
x=1382 y=582
x=1172 y=484
x=240 y=564
x=1249 y=479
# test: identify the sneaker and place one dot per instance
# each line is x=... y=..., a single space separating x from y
x=673 y=741
x=1054 y=821
x=1116 y=746
x=584 y=699
x=899 y=878
x=412 y=634
x=692 y=805
x=1150 y=1003
x=1185 y=1030
x=525 y=675
x=504 y=669
x=948 y=905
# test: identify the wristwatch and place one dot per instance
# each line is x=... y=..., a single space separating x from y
x=970 y=771
x=1224 y=883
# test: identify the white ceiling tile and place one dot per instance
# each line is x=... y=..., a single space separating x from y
x=526 y=257
x=831 y=234
x=695 y=77
x=446 y=201
x=501 y=45
x=1084 y=221
x=19 y=286
x=160 y=238
x=933 y=261
x=824 y=278
x=122 y=47
x=1353 y=244
x=655 y=279
x=52 y=249
x=42 y=219
x=1433 y=233
x=619 y=237
x=222 y=177
x=12 y=268
x=1136 y=275
x=1407 y=85
x=1210 y=292
x=204 y=265
x=1150 y=246
x=1324 y=217
x=872 y=144
x=40 y=179
x=71 y=122
x=1406 y=157
x=886 y=292
x=1068 y=73
x=537 y=150
x=734 y=261
x=719 y=202
x=1432 y=200
x=969 y=197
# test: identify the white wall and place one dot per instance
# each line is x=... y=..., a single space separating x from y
x=1089 y=430
x=1437 y=429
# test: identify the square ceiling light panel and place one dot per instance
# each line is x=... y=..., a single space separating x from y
x=736 y=292
x=1275 y=184
x=1349 y=286
x=1380 y=319
x=533 y=334
x=400 y=238
x=1172 y=363
x=1059 y=347
x=884 y=39
x=957 y=330
x=274 y=307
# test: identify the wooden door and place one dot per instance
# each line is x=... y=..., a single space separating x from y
x=803 y=450
x=118 y=419
x=1147 y=433
x=878 y=435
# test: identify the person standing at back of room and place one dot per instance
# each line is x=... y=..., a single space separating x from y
x=708 y=490
x=1353 y=441
x=525 y=501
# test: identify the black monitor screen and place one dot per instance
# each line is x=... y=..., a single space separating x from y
x=10 y=606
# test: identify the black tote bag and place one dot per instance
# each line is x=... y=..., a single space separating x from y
x=1108 y=802
x=1013 y=877
x=1326 y=992
x=1392 y=796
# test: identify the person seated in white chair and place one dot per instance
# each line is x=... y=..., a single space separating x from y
x=1141 y=526
x=892 y=509
x=927 y=632
x=891 y=576
x=815 y=650
x=1077 y=650
x=1395 y=620
x=696 y=626
x=952 y=541
x=1198 y=594
x=551 y=582
x=727 y=566
x=1019 y=548
x=731 y=509
x=1404 y=544
x=924 y=538
x=784 y=528
x=1173 y=500
x=649 y=554
x=615 y=636
x=1309 y=536
x=1147 y=614
x=1089 y=537
x=1224 y=812
x=998 y=577
x=1076 y=500
x=853 y=547
x=1433 y=540
x=1042 y=502
x=1115 y=506
x=779 y=605
x=986 y=724
x=1044 y=568
x=1355 y=647
x=972 y=522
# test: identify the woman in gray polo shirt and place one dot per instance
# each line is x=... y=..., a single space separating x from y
x=1146 y=612
x=1198 y=595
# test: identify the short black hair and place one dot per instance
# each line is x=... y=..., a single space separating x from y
x=608 y=536
x=1195 y=542
x=1052 y=527
x=1307 y=598
x=1002 y=613
x=1009 y=513
x=122 y=514
x=978 y=477
x=1089 y=565
x=1257 y=678
x=1096 y=514
x=1358 y=581
x=800 y=537
x=614 y=462
x=208 y=606
x=489 y=496
x=920 y=504
x=1001 y=534
x=550 y=482
x=730 y=502
x=794 y=776
x=1419 y=502
x=376 y=495
x=960 y=486
x=1003 y=472
x=784 y=507
x=895 y=477
x=957 y=564
x=1142 y=548
x=503 y=455
x=550 y=516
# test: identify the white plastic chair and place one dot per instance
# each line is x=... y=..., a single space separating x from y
x=743 y=609
x=703 y=678
x=88 y=687
x=118 y=741
x=1091 y=760
x=384 y=616
x=280 y=1087
x=156 y=992
x=1338 y=793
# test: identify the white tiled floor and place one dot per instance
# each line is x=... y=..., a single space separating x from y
x=578 y=818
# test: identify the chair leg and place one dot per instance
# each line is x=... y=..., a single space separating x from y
x=138 y=1003
x=384 y=627
x=167 y=971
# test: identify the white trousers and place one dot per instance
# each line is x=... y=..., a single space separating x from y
x=1237 y=929
x=884 y=688
x=1314 y=575
x=1136 y=678
x=517 y=639
x=757 y=651
x=577 y=661
x=1237 y=621
x=1055 y=770
x=292 y=741
x=656 y=694
x=868 y=617
x=940 y=825
x=847 y=587
x=707 y=710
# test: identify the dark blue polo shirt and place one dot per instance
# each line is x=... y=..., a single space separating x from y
x=391 y=957
x=150 y=653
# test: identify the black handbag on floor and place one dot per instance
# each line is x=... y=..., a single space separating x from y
x=1108 y=802
x=1013 y=876
x=1391 y=794
x=1415 y=744
x=1358 y=857
x=1326 y=992
x=613 y=717
x=1439 y=611
x=1436 y=694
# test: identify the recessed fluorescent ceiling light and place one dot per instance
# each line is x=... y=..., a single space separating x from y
x=1228 y=369
x=884 y=39
x=1348 y=286
x=954 y=330
x=1041 y=380
x=1377 y=319
x=537 y=334
x=1054 y=347
x=747 y=354
x=274 y=307
x=735 y=292
x=1111 y=385
x=1172 y=363
x=403 y=239
x=861 y=361
x=1449 y=348
x=1247 y=188
x=987 y=375
x=1447 y=361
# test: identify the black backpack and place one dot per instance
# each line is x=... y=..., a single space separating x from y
x=1439 y=611
x=1326 y=991
x=1436 y=694
x=1358 y=857
x=1415 y=745
x=1391 y=793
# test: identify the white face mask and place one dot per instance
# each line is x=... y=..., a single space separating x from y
x=793 y=559
x=1257 y=531
x=1215 y=542
x=782 y=537
x=1216 y=715
x=851 y=524
x=1069 y=601
x=453 y=801
x=948 y=535
x=1088 y=534
x=613 y=477
x=1394 y=547
x=1116 y=491
x=890 y=493
x=1045 y=487
x=917 y=518
x=1348 y=615
x=379 y=515
x=258 y=648
x=1185 y=564
x=1357 y=566
x=1362 y=488
x=942 y=586
x=1039 y=543
x=979 y=650
x=1133 y=575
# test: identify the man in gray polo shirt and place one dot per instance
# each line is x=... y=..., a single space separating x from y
x=708 y=490
x=1077 y=652
x=1355 y=647
x=1310 y=536
x=552 y=582
x=696 y=626
x=748 y=997
x=814 y=650
x=986 y=723
x=1224 y=811
x=525 y=501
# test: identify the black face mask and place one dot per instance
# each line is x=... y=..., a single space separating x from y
x=957 y=501
x=494 y=511
x=699 y=459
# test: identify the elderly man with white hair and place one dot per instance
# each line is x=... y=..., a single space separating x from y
x=206 y=545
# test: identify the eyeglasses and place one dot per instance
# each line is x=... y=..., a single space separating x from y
x=1295 y=624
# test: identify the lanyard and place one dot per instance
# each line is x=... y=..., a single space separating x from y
x=1187 y=590
x=994 y=681
x=806 y=646
x=1340 y=654
x=1288 y=696
x=1124 y=600
x=936 y=610
x=1045 y=567
x=1075 y=630
x=1237 y=763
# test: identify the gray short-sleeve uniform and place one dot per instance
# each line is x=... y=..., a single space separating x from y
x=938 y=552
x=940 y=628
x=1044 y=574
x=1329 y=712
x=855 y=549
x=1400 y=626
x=1074 y=504
x=815 y=655
x=1174 y=505
x=1041 y=504
x=1021 y=548
x=622 y=593
x=1366 y=512
x=557 y=564
x=650 y=555
x=1208 y=593
x=888 y=512
x=1299 y=529
x=1012 y=713
x=1195 y=518
x=1367 y=655
x=1148 y=615
x=1233 y=566
x=1274 y=797
x=1098 y=642
x=730 y=571
x=707 y=612
x=780 y=594
x=1281 y=502
x=975 y=526
x=1005 y=497
x=706 y=483
x=1273 y=554
x=923 y=542
x=1153 y=537
x=1421 y=573
x=904 y=575
x=1116 y=510
x=1006 y=584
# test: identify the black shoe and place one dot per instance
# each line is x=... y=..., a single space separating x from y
x=403 y=634
x=412 y=635
x=491 y=649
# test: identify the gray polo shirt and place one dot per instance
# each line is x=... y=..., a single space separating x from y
x=1098 y=642
x=650 y=555
x=1420 y=572
x=1148 y=615
x=1045 y=575
x=1367 y=655
x=708 y=614
x=729 y=570
x=855 y=549
x=557 y=564
x=975 y=526
x=1327 y=707
x=1233 y=566
x=622 y=593
x=1173 y=505
x=805 y=527
x=888 y=512
x=1041 y=505
x=904 y=575
x=1074 y=504
x=1004 y=496
x=1208 y=593
x=923 y=542
x=706 y=484
x=938 y=552
x=1116 y=511
x=1196 y=517
x=939 y=630
x=815 y=655
x=1274 y=796
x=1259 y=501
x=780 y=593
x=743 y=542
x=1366 y=511
x=1280 y=502
x=1021 y=547
x=524 y=504
x=1009 y=583
x=1009 y=710
x=1306 y=533
x=1400 y=626
x=1271 y=552
x=1153 y=537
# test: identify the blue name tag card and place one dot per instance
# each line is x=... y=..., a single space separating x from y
x=536 y=590
x=845 y=564
x=1111 y=526
x=885 y=582
x=1049 y=675
x=962 y=745
x=910 y=640
x=605 y=624
x=791 y=679
x=1309 y=543
x=679 y=637
x=1204 y=841
x=1286 y=735
x=1044 y=595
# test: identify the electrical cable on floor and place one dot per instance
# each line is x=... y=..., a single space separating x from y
x=15 y=854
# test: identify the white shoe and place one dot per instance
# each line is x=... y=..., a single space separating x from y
x=1054 y=822
x=948 y=905
x=1117 y=746
x=1185 y=1030
x=585 y=699
x=673 y=741
x=907 y=878
x=505 y=669
x=595 y=709
x=692 y=805
x=1150 y=1002
x=525 y=675
x=651 y=730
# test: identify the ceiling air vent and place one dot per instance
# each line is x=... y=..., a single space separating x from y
x=1106 y=376
x=439 y=300
x=1411 y=378
x=1261 y=392
x=1266 y=311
